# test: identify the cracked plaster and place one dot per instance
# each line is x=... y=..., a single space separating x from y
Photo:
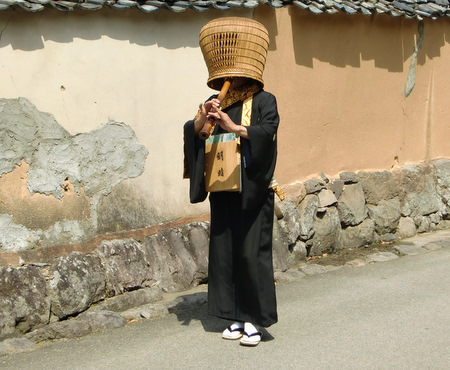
x=59 y=167
x=411 y=79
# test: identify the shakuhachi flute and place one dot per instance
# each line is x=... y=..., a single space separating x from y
x=208 y=127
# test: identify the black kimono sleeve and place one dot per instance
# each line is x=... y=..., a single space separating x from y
x=262 y=146
x=194 y=149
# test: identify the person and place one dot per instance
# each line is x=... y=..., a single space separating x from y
x=241 y=284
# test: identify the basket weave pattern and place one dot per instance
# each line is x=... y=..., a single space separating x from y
x=234 y=47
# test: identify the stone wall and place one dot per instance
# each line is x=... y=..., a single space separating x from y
x=319 y=216
x=324 y=215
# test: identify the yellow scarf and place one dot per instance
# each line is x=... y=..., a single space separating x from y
x=240 y=94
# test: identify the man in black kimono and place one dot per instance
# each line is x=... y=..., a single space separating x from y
x=240 y=278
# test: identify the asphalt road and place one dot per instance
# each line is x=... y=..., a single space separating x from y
x=389 y=315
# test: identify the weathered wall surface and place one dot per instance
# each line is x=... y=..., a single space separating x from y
x=51 y=182
x=354 y=92
x=90 y=68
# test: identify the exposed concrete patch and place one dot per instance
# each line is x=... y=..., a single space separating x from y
x=56 y=197
x=97 y=160
x=15 y=237
x=39 y=211
x=22 y=129
x=67 y=232
x=124 y=209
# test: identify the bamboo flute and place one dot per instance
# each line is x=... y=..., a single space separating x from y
x=208 y=127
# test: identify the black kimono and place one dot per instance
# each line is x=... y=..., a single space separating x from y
x=240 y=277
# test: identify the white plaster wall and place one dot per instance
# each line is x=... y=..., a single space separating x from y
x=339 y=94
x=87 y=68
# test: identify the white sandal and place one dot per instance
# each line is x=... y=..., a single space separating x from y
x=251 y=340
x=233 y=333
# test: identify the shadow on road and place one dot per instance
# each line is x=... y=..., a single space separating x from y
x=210 y=324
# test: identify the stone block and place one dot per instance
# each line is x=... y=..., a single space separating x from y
x=444 y=224
x=348 y=177
x=307 y=215
x=406 y=227
x=295 y=192
x=324 y=178
x=326 y=198
x=72 y=328
x=386 y=215
x=289 y=275
x=24 y=300
x=128 y=300
x=388 y=238
x=408 y=250
x=187 y=301
x=314 y=185
x=432 y=246
x=196 y=237
x=290 y=223
x=423 y=224
x=419 y=191
x=172 y=266
x=280 y=247
x=442 y=168
x=298 y=254
x=103 y=320
x=126 y=265
x=360 y=235
x=148 y=311
x=79 y=326
x=378 y=186
x=76 y=282
x=352 y=205
x=358 y=262
x=327 y=236
x=16 y=345
x=336 y=186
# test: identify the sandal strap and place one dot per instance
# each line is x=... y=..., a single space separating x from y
x=235 y=329
x=253 y=335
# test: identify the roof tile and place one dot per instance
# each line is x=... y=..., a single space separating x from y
x=409 y=9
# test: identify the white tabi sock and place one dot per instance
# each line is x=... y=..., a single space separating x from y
x=249 y=328
x=237 y=325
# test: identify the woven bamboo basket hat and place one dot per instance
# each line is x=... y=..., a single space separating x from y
x=234 y=47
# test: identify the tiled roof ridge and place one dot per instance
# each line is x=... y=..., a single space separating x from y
x=418 y=9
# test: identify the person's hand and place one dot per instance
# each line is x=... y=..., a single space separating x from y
x=222 y=119
x=212 y=104
x=204 y=110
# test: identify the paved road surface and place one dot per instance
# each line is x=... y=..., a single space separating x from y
x=389 y=315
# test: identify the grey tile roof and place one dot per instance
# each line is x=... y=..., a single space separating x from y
x=418 y=9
